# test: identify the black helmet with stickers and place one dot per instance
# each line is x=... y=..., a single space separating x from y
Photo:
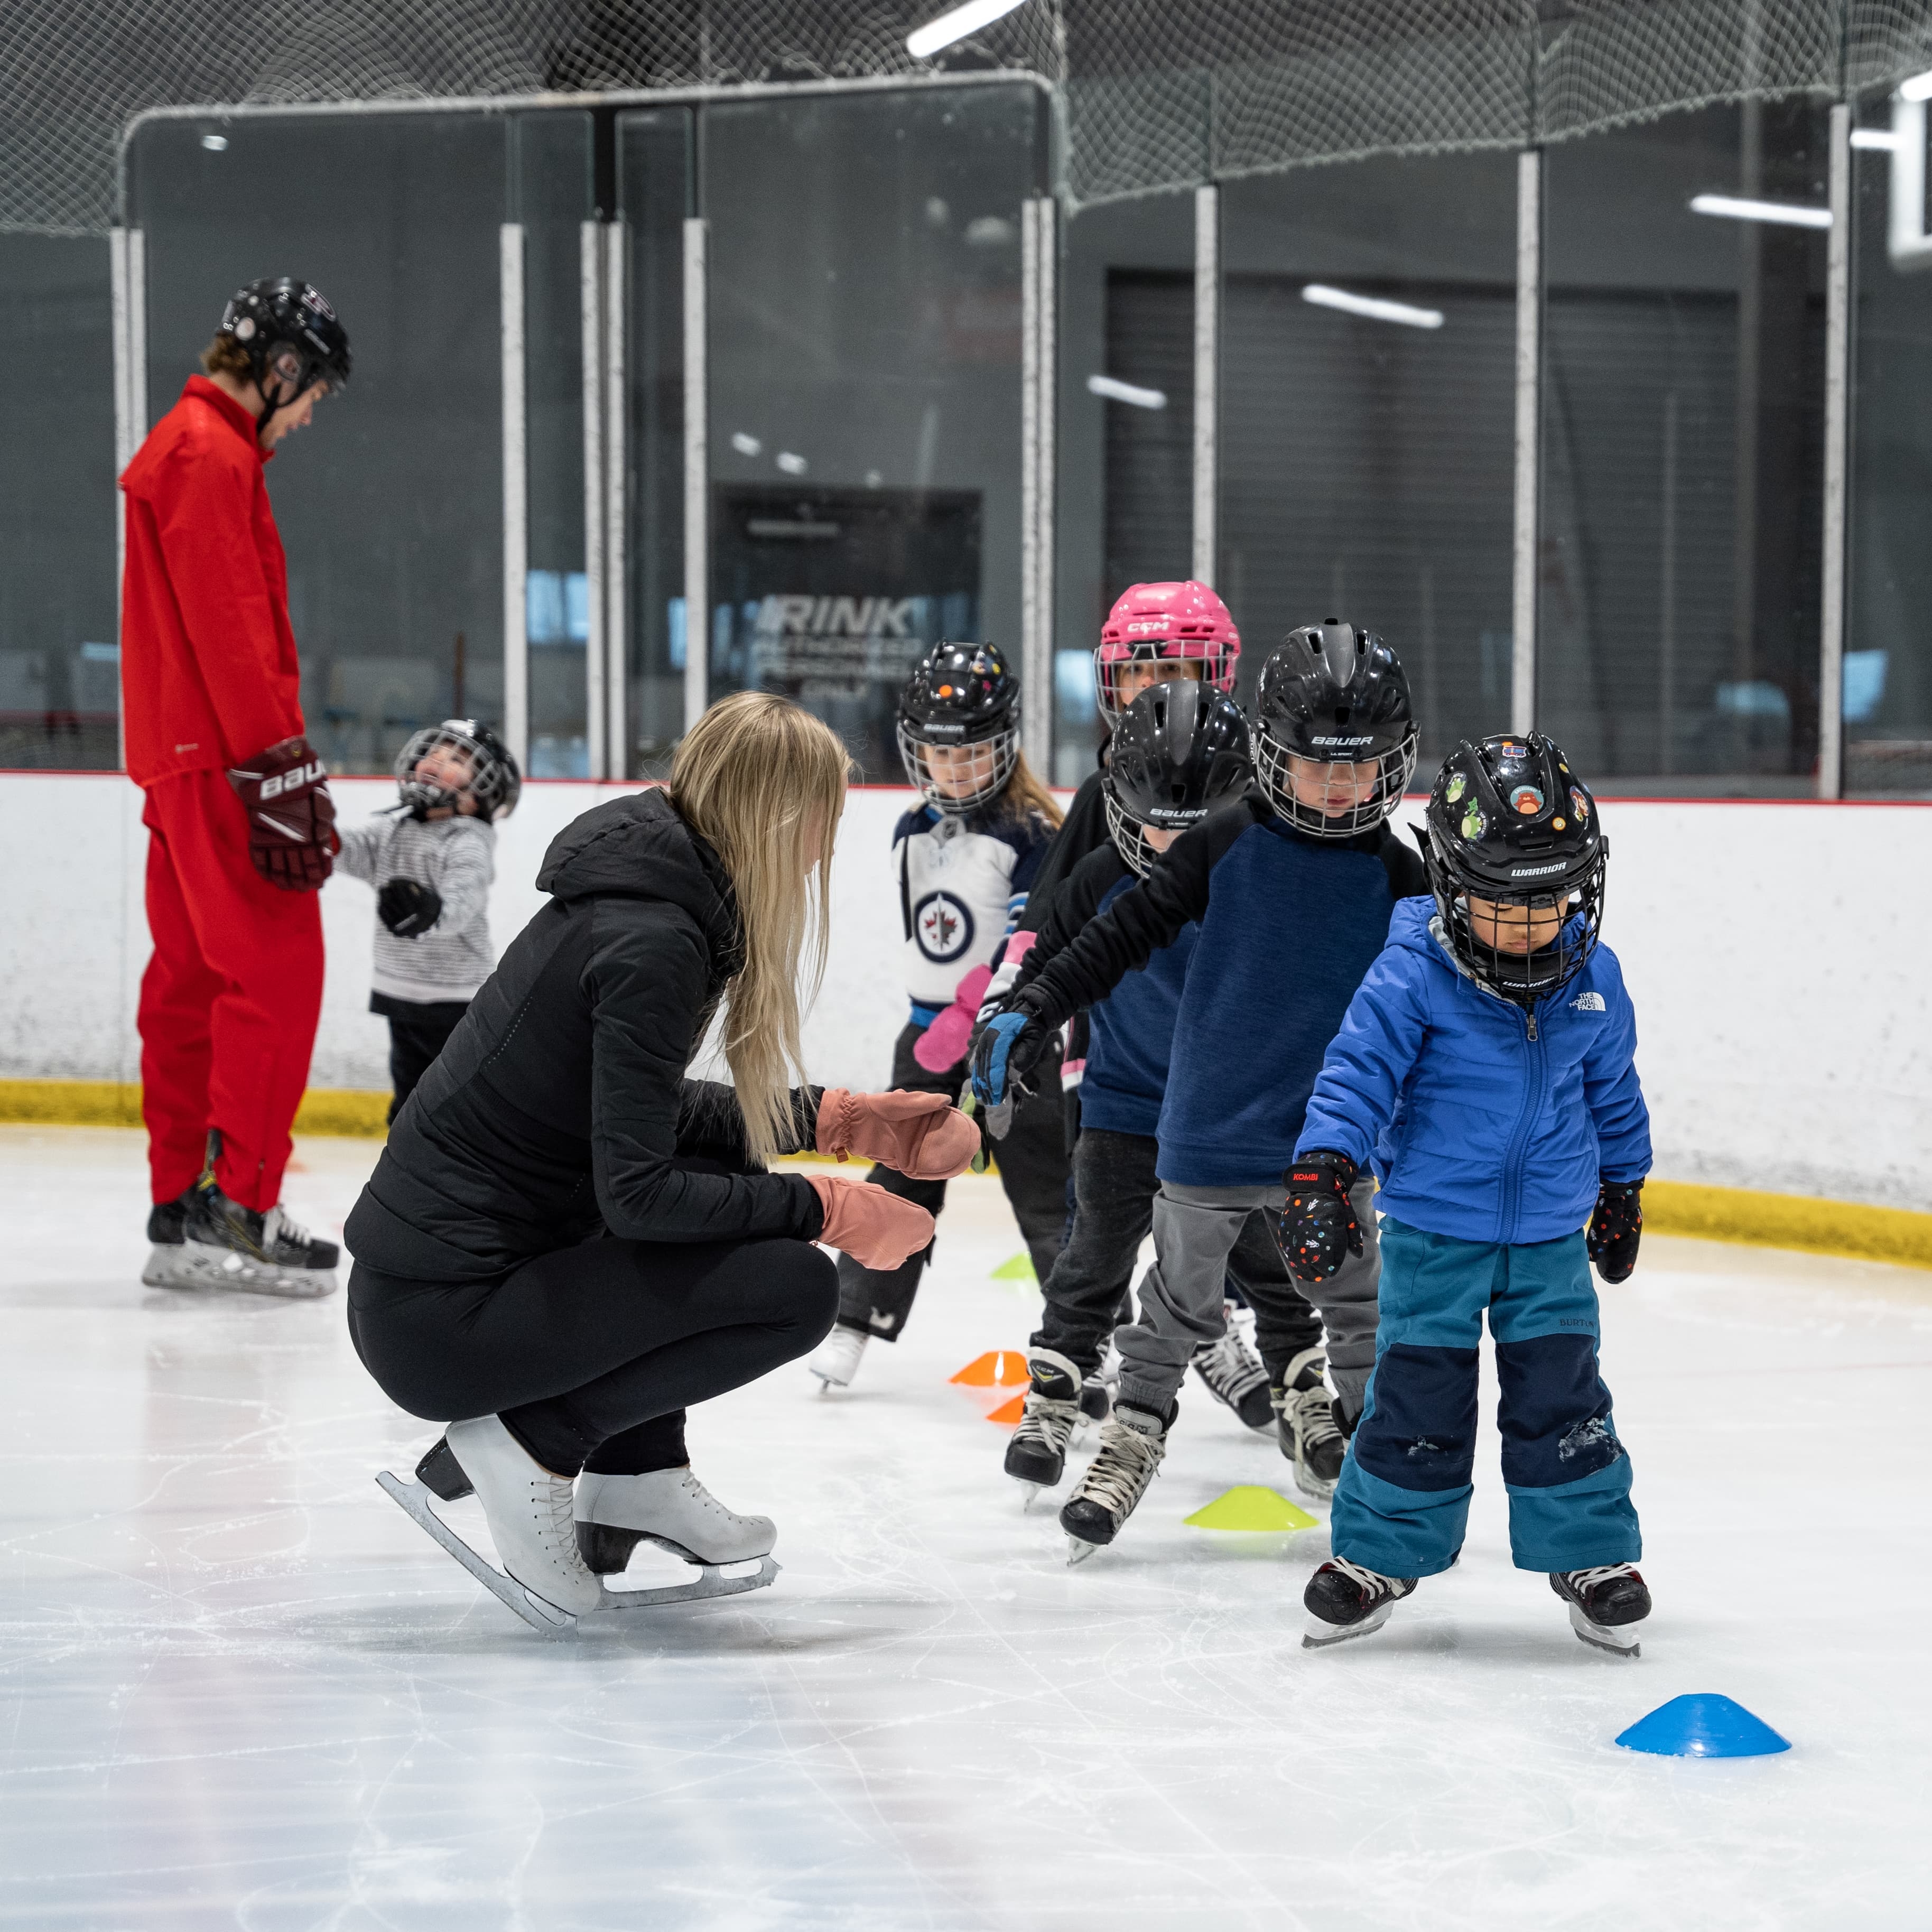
x=1332 y=694
x=963 y=697
x=1509 y=823
x=1178 y=751
x=494 y=782
x=291 y=337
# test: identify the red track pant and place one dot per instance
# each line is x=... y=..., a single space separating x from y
x=229 y=1002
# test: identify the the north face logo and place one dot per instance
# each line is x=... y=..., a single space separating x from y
x=1588 y=1002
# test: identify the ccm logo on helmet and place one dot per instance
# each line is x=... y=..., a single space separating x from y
x=1535 y=871
x=294 y=780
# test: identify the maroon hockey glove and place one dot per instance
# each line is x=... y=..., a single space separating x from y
x=1319 y=1229
x=291 y=817
x=1615 y=1228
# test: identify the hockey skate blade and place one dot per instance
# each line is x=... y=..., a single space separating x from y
x=1078 y=1551
x=535 y=1610
x=202 y=1265
x=1605 y=1637
x=1318 y=1635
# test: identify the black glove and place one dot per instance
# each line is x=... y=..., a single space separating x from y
x=1010 y=1046
x=1615 y=1228
x=1318 y=1228
x=408 y=907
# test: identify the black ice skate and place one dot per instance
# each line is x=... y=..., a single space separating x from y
x=1055 y=1404
x=1233 y=1376
x=225 y=1245
x=1605 y=1605
x=1343 y=1599
x=1132 y=1445
x=167 y=1259
x=532 y=1520
x=1305 y=1425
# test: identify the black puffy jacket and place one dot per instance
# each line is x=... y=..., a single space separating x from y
x=560 y=1106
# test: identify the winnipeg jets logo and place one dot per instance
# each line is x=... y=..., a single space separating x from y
x=944 y=927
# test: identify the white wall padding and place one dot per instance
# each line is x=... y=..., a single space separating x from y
x=1776 y=952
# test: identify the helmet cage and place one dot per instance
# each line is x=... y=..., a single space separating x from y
x=1521 y=978
x=1396 y=765
x=1129 y=833
x=494 y=783
x=1217 y=656
x=1001 y=746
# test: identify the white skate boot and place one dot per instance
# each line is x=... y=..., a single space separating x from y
x=670 y=1508
x=529 y=1513
x=836 y=1361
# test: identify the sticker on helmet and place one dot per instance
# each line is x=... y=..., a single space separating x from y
x=945 y=691
x=1472 y=822
x=1526 y=799
x=1580 y=805
x=1458 y=784
x=1509 y=750
x=1558 y=824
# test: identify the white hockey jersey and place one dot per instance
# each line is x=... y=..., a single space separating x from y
x=963 y=881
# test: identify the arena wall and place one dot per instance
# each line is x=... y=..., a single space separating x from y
x=1777 y=953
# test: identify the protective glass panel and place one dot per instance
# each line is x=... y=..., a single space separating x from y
x=390 y=505
x=1682 y=441
x=1368 y=347
x=864 y=391
x=60 y=689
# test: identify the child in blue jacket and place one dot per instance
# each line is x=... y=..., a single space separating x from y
x=1485 y=1071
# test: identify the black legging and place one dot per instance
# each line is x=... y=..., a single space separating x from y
x=590 y=1355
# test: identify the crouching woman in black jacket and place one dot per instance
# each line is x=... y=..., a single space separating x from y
x=566 y=1242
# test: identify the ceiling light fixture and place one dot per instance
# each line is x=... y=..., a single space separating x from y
x=1114 y=390
x=922 y=42
x=1373 y=307
x=1735 y=208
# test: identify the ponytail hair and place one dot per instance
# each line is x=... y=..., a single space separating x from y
x=1024 y=793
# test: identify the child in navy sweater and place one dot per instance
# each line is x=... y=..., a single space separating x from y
x=1293 y=892
x=1485 y=1070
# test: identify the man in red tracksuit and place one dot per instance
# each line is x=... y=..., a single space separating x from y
x=240 y=823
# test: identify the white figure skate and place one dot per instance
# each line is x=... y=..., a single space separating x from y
x=836 y=1359
x=531 y=1516
x=670 y=1508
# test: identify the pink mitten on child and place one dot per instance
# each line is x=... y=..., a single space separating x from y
x=943 y=1043
x=878 y=1230
x=920 y=1135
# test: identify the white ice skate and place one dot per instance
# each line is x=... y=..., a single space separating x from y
x=670 y=1508
x=532 y=1520
x=836 y=1361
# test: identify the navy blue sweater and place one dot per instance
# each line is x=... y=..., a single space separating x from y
x=1288 y=926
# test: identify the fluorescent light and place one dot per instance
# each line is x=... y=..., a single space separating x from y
x=1918 y=88
x=1791 y=214
x=1875 y=137
x=1373 y=307
x=1126 y=392
x=923 y=42
x=792 y=464
x=746 y=446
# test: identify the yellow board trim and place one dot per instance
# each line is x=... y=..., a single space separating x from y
x=1797 y=1221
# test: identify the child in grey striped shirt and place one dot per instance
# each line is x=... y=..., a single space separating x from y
x=432 y=868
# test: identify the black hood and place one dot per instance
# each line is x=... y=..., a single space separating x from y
x=639 y=847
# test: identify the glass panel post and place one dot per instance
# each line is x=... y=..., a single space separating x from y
x=1528 y=382
x=1838 y=385
x=1207 y=378
x=516 y=502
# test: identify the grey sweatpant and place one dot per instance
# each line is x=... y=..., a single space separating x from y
x=1180 y=1296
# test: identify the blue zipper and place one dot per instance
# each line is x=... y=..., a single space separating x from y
x=1512 y=1163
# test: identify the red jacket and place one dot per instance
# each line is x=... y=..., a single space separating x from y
x=208 y=675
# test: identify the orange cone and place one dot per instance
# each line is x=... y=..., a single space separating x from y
x=1009 y=1412
x=998 y=1368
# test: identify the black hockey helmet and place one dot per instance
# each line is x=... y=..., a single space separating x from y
x=494 y=781
x=960 y=696
x=1509 y=823
x=1334 y=695
x=1178 y=750
x=278 y=317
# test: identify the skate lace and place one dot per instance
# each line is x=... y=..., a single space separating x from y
x=705 y=1500
x=554 y=1499
x=276 y=1226
x=1230 y=1370
x=1312 y=1414
x=1373 y=1581
x=1604 y=1573
x=1124 y=1468
x=1047 y=1419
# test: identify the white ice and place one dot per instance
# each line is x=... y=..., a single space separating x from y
x=242 y=1689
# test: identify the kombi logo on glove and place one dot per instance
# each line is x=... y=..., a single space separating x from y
x=943 y=926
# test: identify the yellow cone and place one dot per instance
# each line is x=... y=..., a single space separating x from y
x=1020 y=1268
x=1252 y=1508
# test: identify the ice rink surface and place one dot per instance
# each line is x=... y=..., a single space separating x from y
x=242 y=1689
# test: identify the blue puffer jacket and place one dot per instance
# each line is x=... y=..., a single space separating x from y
x=1482 y=1121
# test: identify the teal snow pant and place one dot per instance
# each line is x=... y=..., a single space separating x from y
x=1402 y=1503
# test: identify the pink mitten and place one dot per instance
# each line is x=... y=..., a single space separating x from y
x=878 y=1230
x=919 y=1136
x=943 y=1043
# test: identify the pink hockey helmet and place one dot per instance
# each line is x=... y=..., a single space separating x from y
x=1155 y=622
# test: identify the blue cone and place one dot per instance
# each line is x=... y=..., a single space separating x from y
x=1703 y=1725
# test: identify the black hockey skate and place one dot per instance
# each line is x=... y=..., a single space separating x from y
x=1037 y=1453
x=1343 y=1599
x=1097 y=1398
x=1605 y=1605
x=1132 y=1445
x=167 y=1264
x=1233 y=1376
x=1305 y=1425
x=225 y=1245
